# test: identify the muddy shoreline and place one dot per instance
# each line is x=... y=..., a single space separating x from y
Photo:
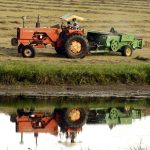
x=66 y=90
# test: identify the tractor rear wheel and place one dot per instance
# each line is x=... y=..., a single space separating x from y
x=126 y=51
x=75 y=117
x=28 y=51
x=76 y=47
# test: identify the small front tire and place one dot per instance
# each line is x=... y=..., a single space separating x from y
x=28 y=51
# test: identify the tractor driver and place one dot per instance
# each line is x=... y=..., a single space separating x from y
x=69 y=25
x=74 y=24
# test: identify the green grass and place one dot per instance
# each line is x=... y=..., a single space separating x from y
x=85 y=74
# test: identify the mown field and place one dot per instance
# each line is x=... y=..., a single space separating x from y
x=128 y=16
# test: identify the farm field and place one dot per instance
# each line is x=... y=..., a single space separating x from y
x=124 y=15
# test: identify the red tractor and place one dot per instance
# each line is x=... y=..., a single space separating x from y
x=70 y=121
x=66 y=41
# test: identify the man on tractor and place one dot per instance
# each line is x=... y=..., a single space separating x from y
x=74 y=24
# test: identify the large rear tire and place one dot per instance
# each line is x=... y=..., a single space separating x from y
x=28 y=51
x=76 y=47
x=75 y=117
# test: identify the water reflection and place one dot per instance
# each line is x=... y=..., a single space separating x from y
x=113 y=116
x=79 y=127
x=69 y=120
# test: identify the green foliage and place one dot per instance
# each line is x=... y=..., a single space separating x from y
x=72 y=74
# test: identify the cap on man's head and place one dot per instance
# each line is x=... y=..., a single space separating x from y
x=74 y=19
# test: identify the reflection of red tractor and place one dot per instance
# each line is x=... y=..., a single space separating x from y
x=69 y=120
x=65 y=41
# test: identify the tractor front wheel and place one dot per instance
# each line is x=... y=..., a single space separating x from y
x=126 y=51
x=76 y=47
x=28 y=51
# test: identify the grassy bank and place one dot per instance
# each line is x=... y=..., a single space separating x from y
x=27 y=73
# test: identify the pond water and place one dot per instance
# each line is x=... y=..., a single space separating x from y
x=74 y=123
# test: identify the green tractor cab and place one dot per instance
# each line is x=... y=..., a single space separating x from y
x=113 y=41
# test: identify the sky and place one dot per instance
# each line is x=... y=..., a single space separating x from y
x=93 y=137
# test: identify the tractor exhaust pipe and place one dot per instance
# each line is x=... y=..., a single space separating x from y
x=38 y=22
x=23 y=19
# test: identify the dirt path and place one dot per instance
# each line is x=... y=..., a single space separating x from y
x=93 y=91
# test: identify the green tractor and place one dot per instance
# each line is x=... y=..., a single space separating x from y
x=113 y=41
x=113 y=116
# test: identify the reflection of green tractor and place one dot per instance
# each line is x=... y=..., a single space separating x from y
x=113 y=41
x=116 y=116
x=113 y=116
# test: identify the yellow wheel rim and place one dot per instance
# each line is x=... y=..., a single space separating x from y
x=128 y=51
x=75 y=47
x=74 y=115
